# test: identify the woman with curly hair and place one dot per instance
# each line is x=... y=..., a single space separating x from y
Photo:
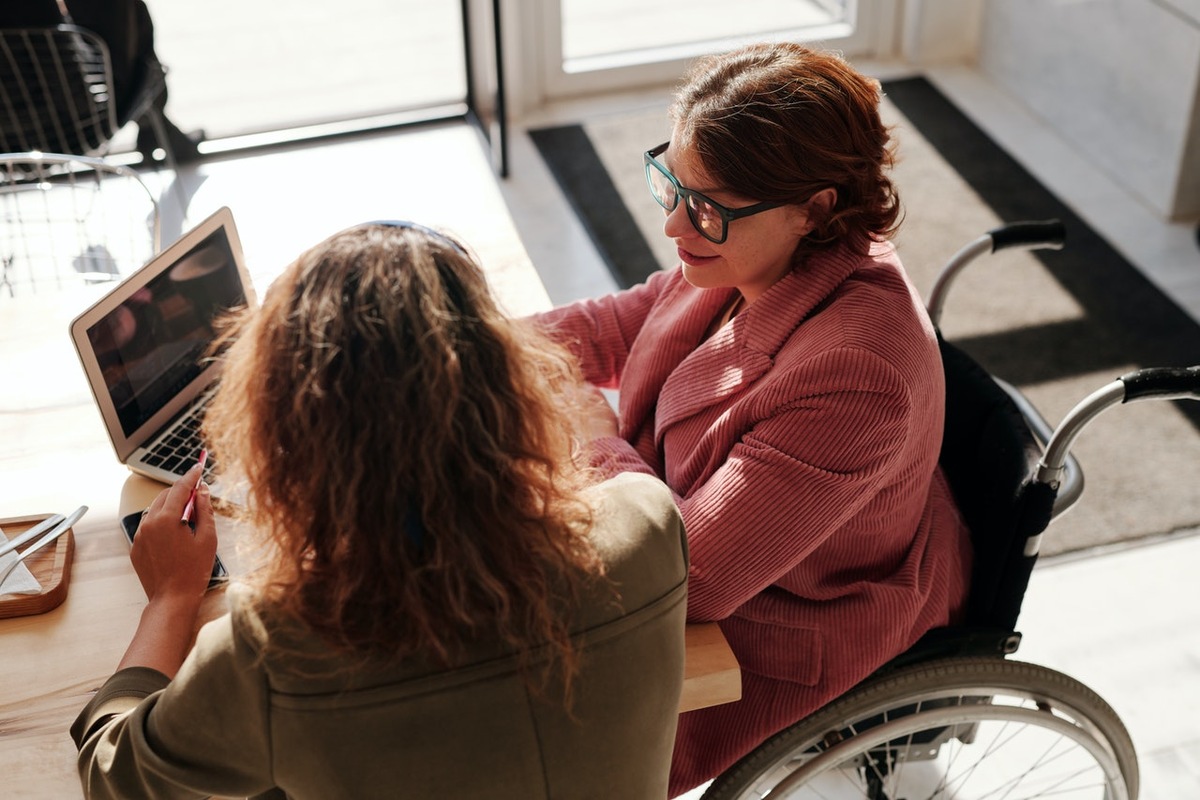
x=785 y=382
x=448 y=605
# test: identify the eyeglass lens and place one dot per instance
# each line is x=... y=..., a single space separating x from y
x=704 y=216
x=661 y=187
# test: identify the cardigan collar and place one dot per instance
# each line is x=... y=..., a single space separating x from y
x=739 y=353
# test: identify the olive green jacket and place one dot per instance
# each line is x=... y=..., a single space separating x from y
x=242 y=718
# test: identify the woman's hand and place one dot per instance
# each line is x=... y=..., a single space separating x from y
x=173 y=562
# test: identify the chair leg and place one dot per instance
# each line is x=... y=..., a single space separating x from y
x=4 y=281
x=159 y=124
x=174 y=142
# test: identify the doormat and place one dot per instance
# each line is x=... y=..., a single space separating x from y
x=1057 y=324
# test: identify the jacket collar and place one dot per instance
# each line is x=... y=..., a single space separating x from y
x=740 y=353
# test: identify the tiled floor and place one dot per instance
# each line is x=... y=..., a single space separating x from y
x=1123 y=622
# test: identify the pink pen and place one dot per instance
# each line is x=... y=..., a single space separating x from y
x=191 y=503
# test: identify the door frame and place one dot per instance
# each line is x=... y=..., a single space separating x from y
x=487 y=103
x=533 y=38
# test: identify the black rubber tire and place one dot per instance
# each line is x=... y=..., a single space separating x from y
x=981 y=679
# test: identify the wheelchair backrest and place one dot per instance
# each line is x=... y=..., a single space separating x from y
x=989 y=456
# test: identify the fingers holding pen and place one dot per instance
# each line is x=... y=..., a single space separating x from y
x=190 y=505
x=173 y=499
x=204 y=523
x=169 y=555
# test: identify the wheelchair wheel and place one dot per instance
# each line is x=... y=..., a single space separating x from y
x=964 y=728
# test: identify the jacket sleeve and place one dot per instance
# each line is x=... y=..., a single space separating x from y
x=601 y=331
x=204 y=733
x=793 y=480
x=612 y=455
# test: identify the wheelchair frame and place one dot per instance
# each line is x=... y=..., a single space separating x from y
x=954 y=716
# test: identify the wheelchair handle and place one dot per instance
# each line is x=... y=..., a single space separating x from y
x=1153 y=383
x=1045 y=234
x=1165 y=383
x=1050 y=233
x=1057 y=464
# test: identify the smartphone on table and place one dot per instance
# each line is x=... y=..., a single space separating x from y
x=129 y=524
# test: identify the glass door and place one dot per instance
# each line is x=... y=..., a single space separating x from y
x=600 y=45
x=239 y=68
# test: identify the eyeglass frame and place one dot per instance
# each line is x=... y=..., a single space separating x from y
x=726 y=214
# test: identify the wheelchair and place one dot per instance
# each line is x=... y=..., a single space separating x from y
x=954 y=716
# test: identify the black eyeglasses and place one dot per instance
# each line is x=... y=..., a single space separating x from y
x=708 y=216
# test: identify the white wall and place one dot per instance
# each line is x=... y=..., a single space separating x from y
x=1119 y=78
x=940 y=31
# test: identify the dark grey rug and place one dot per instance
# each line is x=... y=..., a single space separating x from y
x=1058 y=324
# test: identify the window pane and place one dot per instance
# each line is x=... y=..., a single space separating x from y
x=598 y=28
x=239 y=66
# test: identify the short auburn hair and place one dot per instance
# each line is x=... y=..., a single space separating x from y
x=781 y=121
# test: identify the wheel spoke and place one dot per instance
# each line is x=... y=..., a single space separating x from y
x=972 y=728
x=997 y=743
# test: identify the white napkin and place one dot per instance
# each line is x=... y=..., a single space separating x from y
x=20 y=580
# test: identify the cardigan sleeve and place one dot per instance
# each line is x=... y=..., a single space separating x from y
x=612 y=455
x=601 y=331
x=793 y=480
x=204 y=733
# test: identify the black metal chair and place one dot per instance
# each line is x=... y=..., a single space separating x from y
x=68 y=221
x=69 y=212
x=56 y=94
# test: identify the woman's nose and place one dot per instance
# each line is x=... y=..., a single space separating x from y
x=677 y=224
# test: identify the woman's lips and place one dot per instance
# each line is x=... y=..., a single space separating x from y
x=691 y=259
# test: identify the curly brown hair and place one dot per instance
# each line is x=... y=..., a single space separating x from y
x=407 y=456
x=779 y=122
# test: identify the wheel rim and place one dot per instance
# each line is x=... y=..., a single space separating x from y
x=1020 y=746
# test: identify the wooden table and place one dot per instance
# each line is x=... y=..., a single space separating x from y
x=54 y=456
x=52 y=662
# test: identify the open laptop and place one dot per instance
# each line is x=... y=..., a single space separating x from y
x=144 y=347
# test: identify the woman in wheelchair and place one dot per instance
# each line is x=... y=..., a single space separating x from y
x=785 y=382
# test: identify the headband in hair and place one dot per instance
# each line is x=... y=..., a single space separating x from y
x=416 y=226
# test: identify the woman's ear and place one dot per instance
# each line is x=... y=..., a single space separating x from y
x=821 y=204
x=818 y=208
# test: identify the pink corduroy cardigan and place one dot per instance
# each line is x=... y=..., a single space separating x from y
x=801 y=442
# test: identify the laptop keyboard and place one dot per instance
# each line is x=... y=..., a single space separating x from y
x=178 y=450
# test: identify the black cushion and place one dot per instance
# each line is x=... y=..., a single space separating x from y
x=988 y=455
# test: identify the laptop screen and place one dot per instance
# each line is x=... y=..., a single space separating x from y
x=154 y=343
